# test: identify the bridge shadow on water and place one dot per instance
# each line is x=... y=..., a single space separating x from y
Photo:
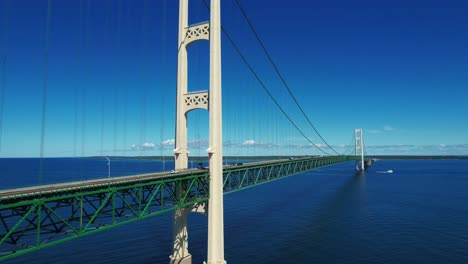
x=330 y=233
x=331 y=223
x=308 y=225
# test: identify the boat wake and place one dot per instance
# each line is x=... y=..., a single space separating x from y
x=387 y=171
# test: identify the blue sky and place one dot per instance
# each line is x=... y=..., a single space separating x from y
x=398 y=69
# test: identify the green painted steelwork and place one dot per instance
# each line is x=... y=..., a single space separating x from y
x=30 y=222
x=236 y=179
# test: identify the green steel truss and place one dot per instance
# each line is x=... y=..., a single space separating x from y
x=28 y=225
x=42 y=220
x=236 y=179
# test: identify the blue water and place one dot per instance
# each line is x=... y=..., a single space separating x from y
x=418 y=214
x=27 y=171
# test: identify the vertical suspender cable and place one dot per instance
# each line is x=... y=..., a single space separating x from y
x=76 y=168
x=76 y=90
x=2 y=98
x=143 y=103
x=349 y=148
x=116 y=109
x=44 y=92
x=128 y=79
x=101 y=148
x=164 y=32
x=197 y=112
x=86 y=80
x=264 y=87
x=4 y=66
x=279 y=74
x=106 y=38
x=75 y=118
x=116 y=112
x=84 y=85
x=124 y=77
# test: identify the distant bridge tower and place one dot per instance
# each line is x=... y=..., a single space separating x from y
x=359 y=147
x=209 y=100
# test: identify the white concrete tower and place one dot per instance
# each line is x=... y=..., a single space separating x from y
x=359 y=146
x=186 y=102
x=215 y=150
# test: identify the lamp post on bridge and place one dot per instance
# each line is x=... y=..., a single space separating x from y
x=108 y=167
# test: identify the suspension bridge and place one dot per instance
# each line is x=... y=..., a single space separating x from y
x=37 y=217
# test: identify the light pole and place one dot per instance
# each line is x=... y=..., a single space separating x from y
x=108 y=167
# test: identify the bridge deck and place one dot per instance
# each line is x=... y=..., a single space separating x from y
x=37 y=217
x=77 y=186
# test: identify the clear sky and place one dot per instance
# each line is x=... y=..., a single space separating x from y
x=398 y=69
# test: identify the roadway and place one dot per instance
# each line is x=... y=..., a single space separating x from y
x=77 y=186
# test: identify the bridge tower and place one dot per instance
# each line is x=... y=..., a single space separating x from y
x=211 y=101
x=359 y=147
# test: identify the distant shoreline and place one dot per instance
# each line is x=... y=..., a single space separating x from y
x=247 y=158
x=412 y=157
x=244 y=158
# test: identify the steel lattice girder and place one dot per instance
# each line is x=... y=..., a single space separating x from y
x=27 y=226
x=43 y=221
x=246 y=177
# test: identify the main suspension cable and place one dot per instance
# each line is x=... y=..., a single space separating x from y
x=264 y=86
x=279 y=74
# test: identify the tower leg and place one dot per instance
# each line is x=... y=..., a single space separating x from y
x=180 y=254
x=359 y=147
x=215 y=204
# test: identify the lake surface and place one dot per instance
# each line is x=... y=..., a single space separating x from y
x=417 y=214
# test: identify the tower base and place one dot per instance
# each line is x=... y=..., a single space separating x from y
x=215 y=262
x=184 y=260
